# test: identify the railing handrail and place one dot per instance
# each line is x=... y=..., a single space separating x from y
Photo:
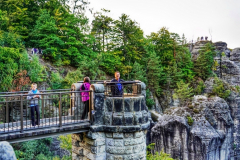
x=125 y=82
x=39 y=91
x=14 y=95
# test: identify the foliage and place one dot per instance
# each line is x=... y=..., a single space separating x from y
x=190 y=120
x=37 y=70
x=153 y=73
x=199 y=87
x=35 y=149
x=66 y=142
x=220 y=89
x=138 y=73
x=156 y=156
x=21 y=80
x=72 y=77
x=56 y=80
x=149 y=101
x=91 y=68
x=183 y=93
x=204 y=64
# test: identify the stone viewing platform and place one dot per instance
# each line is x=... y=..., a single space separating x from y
x=119 y=127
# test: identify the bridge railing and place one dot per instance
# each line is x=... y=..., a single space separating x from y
x=123 y=89
x=56 y=109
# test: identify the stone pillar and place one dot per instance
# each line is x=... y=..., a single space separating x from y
x=118 y=131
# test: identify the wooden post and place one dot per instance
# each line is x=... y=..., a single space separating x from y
x=60 y=109
x=21 y=114
x=91 y=104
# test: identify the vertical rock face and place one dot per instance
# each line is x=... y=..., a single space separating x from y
x=118 y=131
x=235 y=56
x=6 y=151
x=209 y=137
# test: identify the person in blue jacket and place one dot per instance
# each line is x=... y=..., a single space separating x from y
x=33 y=97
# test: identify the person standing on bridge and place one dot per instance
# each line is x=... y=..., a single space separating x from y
x=85 y=96
x=33 y=97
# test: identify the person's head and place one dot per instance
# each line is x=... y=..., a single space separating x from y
x=117 y=75
x=86 y=79
x=34 y=86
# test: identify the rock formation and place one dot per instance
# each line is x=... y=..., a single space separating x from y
x=208 y=129
x=6 y=151
x=209 y=136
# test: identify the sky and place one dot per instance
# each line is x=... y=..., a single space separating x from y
x=193 y=18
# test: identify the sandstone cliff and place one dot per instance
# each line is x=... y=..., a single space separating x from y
x=207 y=129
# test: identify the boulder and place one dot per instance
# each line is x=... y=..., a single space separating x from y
x=6 y=151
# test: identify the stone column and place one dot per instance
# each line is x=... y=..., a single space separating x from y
x=118 y=131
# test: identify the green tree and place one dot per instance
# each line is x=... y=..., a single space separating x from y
x=205 y=61
x=44 y=36
x=138 y=73
x=101 y=29
x=153 y=73
x=183 y=92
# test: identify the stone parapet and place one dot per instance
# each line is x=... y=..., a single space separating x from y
x=109 y=145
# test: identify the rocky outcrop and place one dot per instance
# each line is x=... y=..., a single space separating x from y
x=209 y=136
x=6 y=151
x=196 y=48
x=235 y=56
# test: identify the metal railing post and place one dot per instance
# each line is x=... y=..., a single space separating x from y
x=7 y=111
x=42 y=106
x=60 y=109
x=21 y=110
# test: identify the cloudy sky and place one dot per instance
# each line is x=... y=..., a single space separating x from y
x=194 y=18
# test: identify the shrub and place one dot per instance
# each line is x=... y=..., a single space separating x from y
x=196 y=111
x=190 y=120
x=149 y=101
x=156 y=156
x=220 y=89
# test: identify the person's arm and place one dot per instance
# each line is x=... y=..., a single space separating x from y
x=38 y=96
x=30 y=96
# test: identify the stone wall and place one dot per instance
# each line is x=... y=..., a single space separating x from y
x=111 y=146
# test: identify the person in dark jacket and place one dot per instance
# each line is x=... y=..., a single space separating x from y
x=117 y=88
x=85 y=96
x=33 y=97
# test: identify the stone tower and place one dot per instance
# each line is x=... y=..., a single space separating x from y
x=118 y=130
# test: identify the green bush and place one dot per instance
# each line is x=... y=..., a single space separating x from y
x=149 y=101
x=156 y=156
x=35 y=149
x=220 y=89
x=190 y=120
x=72 y=77
x=196 y=111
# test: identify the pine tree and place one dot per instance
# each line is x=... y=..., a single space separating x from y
x=153 y=73
x=205 y=61
x=183 y=92
x=44 y=36
x=138 y=73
